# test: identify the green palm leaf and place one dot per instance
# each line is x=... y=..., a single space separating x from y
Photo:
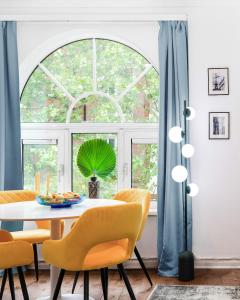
x=96 y=157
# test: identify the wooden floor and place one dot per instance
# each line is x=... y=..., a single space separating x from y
x=116 y=287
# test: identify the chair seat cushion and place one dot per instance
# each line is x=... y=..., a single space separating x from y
x=100 y=256
x=106 y=255
x=35 y=236
x=15 y=254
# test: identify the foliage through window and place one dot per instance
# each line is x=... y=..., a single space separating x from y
x=42 y=159
x=144 y=167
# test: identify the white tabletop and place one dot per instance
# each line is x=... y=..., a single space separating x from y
x=32 y=211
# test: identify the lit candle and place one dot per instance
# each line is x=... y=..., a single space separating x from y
x=47 y=184
x=37 y=182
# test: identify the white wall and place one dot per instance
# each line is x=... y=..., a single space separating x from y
x=214 y=41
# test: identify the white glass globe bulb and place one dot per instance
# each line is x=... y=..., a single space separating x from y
x=192 y=113
x=188 y=150
x=179 y=173
x=175 y=134
x=193 y=189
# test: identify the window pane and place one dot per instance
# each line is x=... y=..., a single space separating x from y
x=42 y=101
x=72 y=66
x=42 y=159
x=117 y=66
x=95 y=109
x=108 y=186
x=141 y=104
x=144 y=167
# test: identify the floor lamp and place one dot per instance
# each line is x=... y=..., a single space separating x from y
x=180 y=175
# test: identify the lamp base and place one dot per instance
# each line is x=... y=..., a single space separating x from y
x=186 y=266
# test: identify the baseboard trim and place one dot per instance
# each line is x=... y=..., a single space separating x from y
x=223 y=263
x=151 y=263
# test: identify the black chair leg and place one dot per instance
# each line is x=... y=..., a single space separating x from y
x=106 y=277
x=11 y=283
x=75 y=281
x=58 y=285
x=126 y=281
x=4 y=279
x=23 y=283
x=35 y=260
x=142 y=265
x=120 y=275
x=86 y=285
x=104 y=280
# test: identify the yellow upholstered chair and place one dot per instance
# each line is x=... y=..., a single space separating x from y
x=144 y=198
x=96 y=242
x=14 y=254
x=34 y=236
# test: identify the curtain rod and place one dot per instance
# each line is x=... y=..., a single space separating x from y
x=88 y=19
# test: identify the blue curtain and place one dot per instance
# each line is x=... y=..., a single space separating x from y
x=10 y=140
x=173 y=53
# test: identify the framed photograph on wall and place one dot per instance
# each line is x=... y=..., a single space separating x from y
x=219 y=125
x=218 y=81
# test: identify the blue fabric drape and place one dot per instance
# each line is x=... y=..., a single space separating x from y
x=10 y=140
x=173 y=53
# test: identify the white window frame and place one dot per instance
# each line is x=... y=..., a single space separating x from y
x=63 y=132
x=43 y=137
x=126 y=132
x=150 y=136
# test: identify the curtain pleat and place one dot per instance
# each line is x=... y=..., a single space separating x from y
x=173 y=54
x=10 y=139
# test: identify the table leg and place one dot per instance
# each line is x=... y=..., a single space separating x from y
x=55 y=235
x=54 y=272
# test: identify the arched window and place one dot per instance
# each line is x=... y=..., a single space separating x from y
x=86 y=89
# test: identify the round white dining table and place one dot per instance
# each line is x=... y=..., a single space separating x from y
x=32 y=211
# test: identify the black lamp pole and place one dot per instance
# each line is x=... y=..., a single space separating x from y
x=185 y=114
x=186 y=258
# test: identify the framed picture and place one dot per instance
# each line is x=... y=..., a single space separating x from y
x=219 y=125
x=218 y=81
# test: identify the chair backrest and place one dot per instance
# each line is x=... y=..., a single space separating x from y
x=16 y=196
x=5 y=236
x=20 y=196
x=136 y=195
x=100 y=225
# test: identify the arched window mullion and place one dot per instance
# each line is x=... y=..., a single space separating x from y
x=134 y=82
x=57 y=83
x=94 y=65
x=95 y=93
